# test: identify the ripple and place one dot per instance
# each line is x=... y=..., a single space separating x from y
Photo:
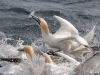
x=48 y=12
x=17 y=10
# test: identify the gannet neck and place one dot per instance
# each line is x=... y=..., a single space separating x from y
x=44 y=27
x=29 y=50
x=48 y=59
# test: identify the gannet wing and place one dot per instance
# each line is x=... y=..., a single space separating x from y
x=90 y=35
x=89 y=65
x=76 y=38
x=66 y=57
x=66 y=27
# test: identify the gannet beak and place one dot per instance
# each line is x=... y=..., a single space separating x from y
x=35 y=18
x=89 y=48
x=21 y=49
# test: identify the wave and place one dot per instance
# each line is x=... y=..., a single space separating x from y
x=17 y=10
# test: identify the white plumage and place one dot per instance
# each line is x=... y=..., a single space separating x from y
x=65 y=38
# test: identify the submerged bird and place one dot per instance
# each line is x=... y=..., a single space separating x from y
x=63 y=38
x=40 y=63
x=29 y=50
x=40 y=67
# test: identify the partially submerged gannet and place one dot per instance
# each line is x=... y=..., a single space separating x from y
x=37 y=63
x=64 y=37
x=29 y=50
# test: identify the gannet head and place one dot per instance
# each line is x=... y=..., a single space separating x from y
x=41 y=22
x=29 y=50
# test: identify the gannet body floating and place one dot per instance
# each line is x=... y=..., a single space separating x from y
x=58 y=40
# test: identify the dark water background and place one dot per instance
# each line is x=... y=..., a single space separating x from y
x=14 y=22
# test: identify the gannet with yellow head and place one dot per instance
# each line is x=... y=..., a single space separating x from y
x=63 y=38
x=29 y=50
x=37 y=63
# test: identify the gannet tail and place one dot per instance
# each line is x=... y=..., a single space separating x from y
x=90 y=35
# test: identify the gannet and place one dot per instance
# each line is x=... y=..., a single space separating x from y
x=37 y=63
x=58 y=40
x=89 y=66
x=29 y=50
x=61 y=68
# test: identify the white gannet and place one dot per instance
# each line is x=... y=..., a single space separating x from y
x=29 y=50
x=61 y=39
x=60 y=68
x=90 y=66
x=39 y=64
